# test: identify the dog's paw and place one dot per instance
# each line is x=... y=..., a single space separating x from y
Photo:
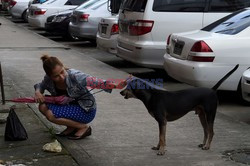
x=200 y=145
x=155 y=148
x=161 y=152
x=205 y=148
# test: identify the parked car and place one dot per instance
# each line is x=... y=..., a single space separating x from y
x=84 y=23
x=145 y=24
x=202 y=57
x=38 y=13
x=18 y=9
x=107 y=34
x=245 y=86
x=58 y=23
x=5 y=4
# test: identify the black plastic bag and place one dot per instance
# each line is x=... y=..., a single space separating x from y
x=14 y=130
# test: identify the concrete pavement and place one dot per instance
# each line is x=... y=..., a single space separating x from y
x=123 y=131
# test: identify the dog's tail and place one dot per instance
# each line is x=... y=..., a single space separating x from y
x=216 y=86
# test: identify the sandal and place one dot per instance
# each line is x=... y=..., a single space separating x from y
x=62 y=134
x=87 y=133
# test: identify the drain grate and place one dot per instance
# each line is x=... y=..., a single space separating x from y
x=239 y=155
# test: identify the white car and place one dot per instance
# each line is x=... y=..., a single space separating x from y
x=84 y=22
x=19 y=8
x=144 y=25
x=245 y=85
x=202 y=57
x=38 y=13
x=107 y=34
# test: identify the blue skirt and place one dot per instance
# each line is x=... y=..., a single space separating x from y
x=72 y=112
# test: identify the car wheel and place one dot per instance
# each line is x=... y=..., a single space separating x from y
x=239 y=92
x=25 y=16
x=68 y=36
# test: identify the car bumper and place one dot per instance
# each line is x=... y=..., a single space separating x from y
x=38 y=21
x=107 y=44
x=15 y=12
x=57 y=28
x=86 y=32
x=141 y=54
x=202 y=74
x=245 y=85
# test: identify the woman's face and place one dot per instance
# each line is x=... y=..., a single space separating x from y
x=58 y=74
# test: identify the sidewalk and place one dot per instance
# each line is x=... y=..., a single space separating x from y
x=123 y=131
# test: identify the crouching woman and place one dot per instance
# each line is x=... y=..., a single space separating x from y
x=72 y=83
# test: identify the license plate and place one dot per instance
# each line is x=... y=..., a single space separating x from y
x=178 y=48
x=104 y=30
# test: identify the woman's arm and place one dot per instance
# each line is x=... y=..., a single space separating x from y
x=39 y=90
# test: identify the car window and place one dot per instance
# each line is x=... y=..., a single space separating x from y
x=87 y=4
x=231 y=24
x=134 y=5
x=228 y=5
x=52 y=1
x=38 y=1
x=179 y=5
x=75 y=2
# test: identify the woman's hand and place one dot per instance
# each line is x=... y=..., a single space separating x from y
x=121 y=84
x=39 y=98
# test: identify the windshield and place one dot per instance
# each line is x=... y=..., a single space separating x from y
x=231 y=24
x=87 y=4
x=134 y=5
x=94 y=7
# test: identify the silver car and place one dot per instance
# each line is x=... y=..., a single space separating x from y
x=84 y=23
x=107 y=34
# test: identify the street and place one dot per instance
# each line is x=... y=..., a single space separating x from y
x=123 y=130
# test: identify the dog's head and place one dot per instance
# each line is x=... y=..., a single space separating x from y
x=137 y=87
x=128 y=92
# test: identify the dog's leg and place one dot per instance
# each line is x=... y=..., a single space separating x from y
x=210 y=136
x=162 y=140
x=203 y=120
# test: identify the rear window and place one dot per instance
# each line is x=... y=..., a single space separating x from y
x=134 y=5
x=231 y=24
x=87 y=4
x=179 y=5
x=228 y=5
x=99 y=5
x=75 y=2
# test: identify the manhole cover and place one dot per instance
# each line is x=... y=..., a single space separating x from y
x=240 y=155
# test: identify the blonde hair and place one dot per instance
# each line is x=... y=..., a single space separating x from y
x=49 y=63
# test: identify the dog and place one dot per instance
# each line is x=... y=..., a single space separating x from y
x=167 y=106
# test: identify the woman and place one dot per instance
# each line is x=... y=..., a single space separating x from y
x=73 y=83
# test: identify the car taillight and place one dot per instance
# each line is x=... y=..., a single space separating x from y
x=40 y=12
x=140 y=27
x=115 y=29
x=84 y=17
x=200 y=47
x=168 y=40
x=12 y=3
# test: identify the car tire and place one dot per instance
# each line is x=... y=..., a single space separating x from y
x=25 y=16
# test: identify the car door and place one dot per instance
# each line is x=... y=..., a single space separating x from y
x=220 y=8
